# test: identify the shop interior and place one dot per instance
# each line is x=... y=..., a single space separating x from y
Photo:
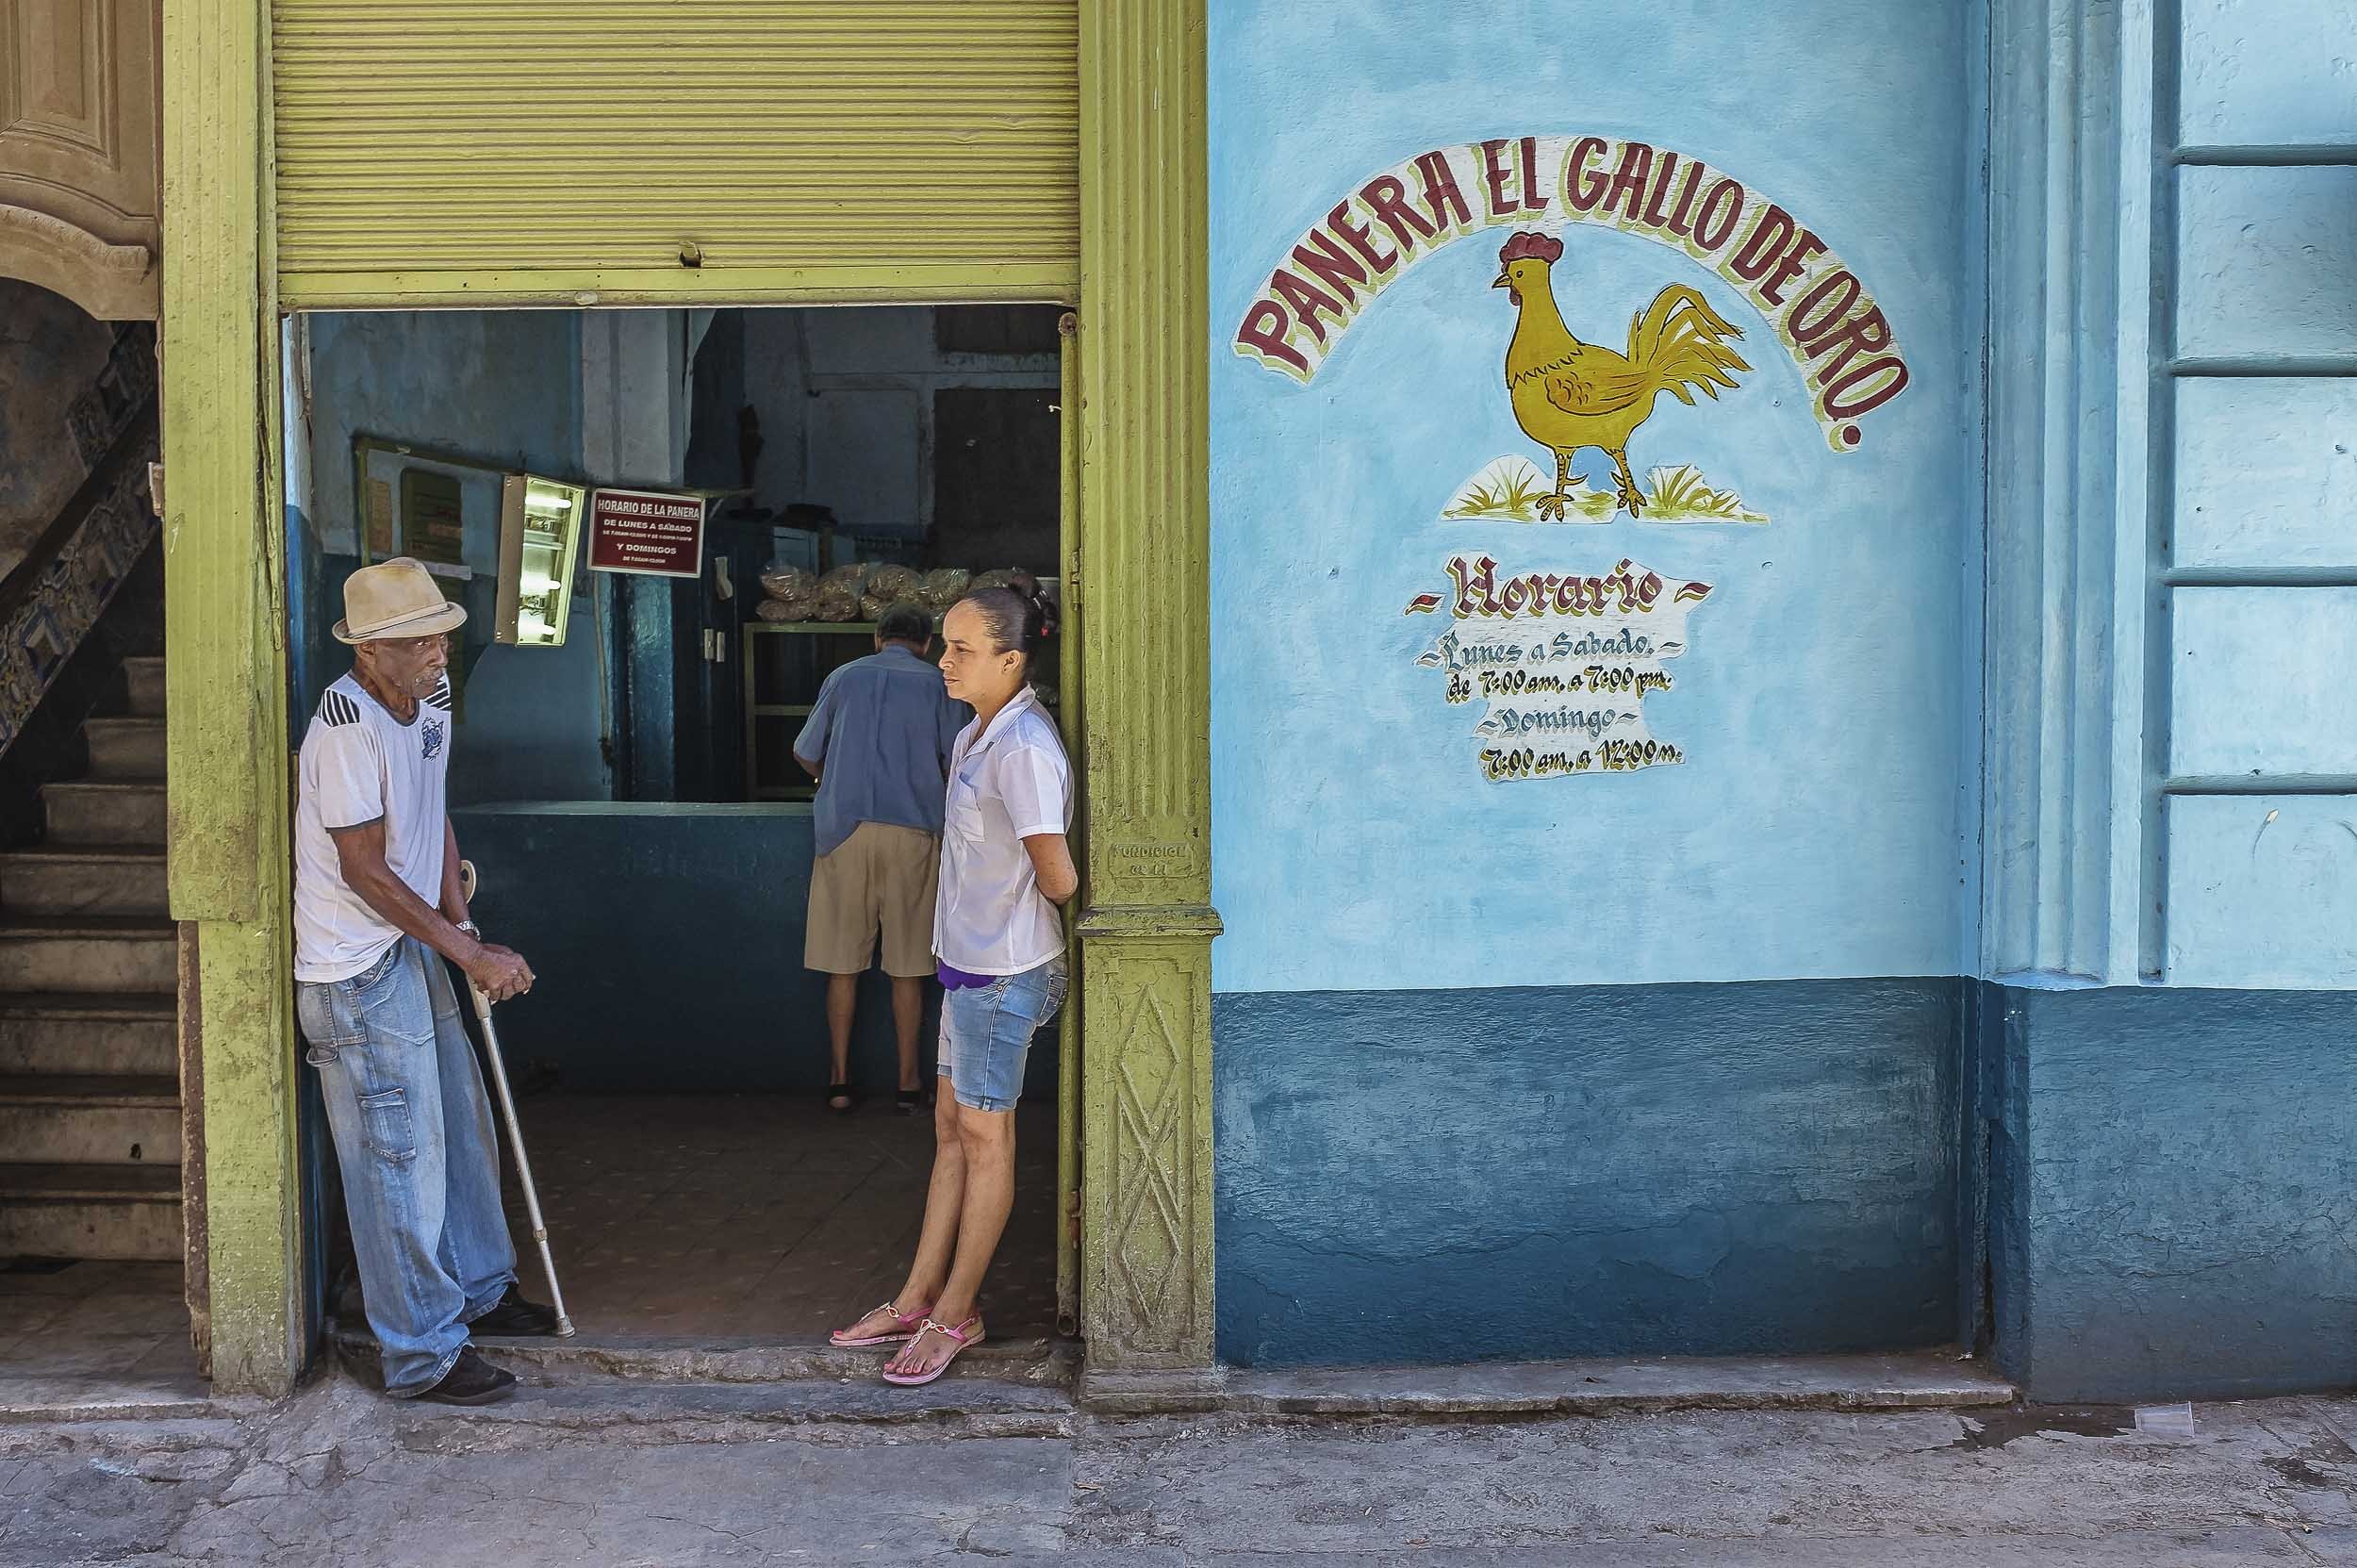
x=622 y=769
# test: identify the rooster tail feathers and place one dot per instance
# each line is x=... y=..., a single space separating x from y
x=1677 y=312
x=1679 y=341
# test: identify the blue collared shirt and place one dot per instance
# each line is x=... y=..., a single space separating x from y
x=881 y=733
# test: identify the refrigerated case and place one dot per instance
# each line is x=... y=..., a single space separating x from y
x=540 y=526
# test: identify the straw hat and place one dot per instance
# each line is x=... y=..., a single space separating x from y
x=397 y=599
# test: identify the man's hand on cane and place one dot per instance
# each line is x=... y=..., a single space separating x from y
x=498 y=972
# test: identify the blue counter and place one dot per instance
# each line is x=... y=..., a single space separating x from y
x=668 y=940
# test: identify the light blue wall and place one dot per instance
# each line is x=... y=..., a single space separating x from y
x=2253 y=733
x=2173 y=495
x=1820 y=827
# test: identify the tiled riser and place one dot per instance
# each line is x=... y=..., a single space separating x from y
x=88 y=964
x=140 y=1230
x=86 y=1046
x=126 y=749
x=104 y=813
x=82 y=884
x=93 y=1134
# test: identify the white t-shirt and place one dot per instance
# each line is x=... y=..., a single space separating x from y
x=359 y=764
x=1005 y=784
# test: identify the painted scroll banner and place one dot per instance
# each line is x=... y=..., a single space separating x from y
x=1560 y=664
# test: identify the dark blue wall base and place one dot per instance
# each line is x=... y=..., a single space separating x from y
x=1674 y=1170
x=2174 y=1188
x=668 y=943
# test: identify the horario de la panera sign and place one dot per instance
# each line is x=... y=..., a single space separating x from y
x=1820 y=308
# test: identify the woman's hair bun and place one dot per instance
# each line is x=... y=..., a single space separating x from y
x=1018 y=609
x=1043 y=619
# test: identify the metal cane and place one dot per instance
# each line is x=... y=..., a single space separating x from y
x=515 y=1132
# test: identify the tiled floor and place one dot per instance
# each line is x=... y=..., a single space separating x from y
x=94 y=1335
x=728 y=1218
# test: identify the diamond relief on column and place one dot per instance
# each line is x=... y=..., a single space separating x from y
x=1150 y=1247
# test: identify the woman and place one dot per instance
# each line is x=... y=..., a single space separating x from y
x=1005 y=866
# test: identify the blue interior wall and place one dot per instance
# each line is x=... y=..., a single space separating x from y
x=2180 y=1189
x=1680 y=1169
x=502 y=388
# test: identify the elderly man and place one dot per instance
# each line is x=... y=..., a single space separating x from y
x=878 y=741
x=377 y=896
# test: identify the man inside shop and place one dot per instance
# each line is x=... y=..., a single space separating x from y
x=379 y=904
x=877 y=742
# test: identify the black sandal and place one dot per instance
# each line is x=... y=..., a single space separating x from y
x=844 y=1093
x=907 y=1101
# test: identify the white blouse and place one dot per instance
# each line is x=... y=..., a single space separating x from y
x=1006 y=783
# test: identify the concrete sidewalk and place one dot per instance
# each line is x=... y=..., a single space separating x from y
x=592 y=1474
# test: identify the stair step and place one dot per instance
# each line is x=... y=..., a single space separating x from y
x=125 y=750
x=89 y=952
x=64 y=1033
x=87 y=1120
x=146 y=680
x=129 y=1213
x=77 y=879
x=96 y=813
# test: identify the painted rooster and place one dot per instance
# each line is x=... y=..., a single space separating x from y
x=1568 y=394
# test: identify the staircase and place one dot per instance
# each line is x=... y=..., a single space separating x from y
x=90 y=1089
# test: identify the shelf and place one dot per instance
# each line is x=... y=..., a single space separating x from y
x=779 y=710
x=814 y=628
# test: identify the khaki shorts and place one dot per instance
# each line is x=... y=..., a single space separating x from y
x=882 y=878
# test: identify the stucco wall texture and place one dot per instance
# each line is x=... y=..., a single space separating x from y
x=2174 y=1193
x=1620 y=1170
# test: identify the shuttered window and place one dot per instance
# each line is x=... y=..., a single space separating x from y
x=535 y=149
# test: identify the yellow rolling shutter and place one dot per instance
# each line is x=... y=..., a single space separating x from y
x=446 y=151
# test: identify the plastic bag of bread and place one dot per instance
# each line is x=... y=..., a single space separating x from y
x=851 y=575
x=1004 y=578
x=893 y=583
x=873 y=606
x=942 y=587
x=837 y=602
x=797 y=608
x=784 y=582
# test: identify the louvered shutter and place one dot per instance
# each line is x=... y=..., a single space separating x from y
x=538 y=150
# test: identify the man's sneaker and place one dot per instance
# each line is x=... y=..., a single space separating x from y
x=515 y=1317
x=472 y=1380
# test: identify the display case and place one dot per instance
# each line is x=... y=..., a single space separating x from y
x=540 y=525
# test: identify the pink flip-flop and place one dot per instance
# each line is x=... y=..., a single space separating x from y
x=844 y=1340
x=964 y=1336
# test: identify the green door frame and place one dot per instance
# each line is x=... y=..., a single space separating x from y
x=1141 y=574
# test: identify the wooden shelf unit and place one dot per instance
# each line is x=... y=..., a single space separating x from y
x=779 y=695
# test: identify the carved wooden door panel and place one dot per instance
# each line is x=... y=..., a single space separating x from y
x=80 y=154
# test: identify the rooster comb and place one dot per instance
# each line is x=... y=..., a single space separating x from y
x=1545 y=247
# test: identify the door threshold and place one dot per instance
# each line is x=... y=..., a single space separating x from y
x=589 y=1357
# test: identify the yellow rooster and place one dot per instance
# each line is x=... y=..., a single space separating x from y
x=1568 y=394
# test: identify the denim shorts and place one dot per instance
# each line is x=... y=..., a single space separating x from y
x=987 y=1033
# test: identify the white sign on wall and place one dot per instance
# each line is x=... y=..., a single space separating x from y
x=1557 y=664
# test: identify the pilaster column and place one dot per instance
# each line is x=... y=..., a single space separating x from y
x=225 y=717
x=1143 y=604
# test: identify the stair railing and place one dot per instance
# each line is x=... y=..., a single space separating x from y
x=55 y=594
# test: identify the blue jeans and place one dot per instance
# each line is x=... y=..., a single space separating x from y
x=987 y=1033
x=419 y=1161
